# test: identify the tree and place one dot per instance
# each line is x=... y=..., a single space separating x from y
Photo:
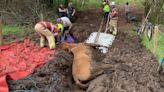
x=155 y=6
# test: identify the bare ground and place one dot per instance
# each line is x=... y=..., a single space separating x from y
x=136 y=67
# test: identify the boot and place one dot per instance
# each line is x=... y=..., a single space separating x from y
x=111 y=29
x=51 y=42
x=114 y=32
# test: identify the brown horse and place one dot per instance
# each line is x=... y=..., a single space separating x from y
x=84 y=68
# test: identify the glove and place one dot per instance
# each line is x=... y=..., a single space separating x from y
x=55 y=34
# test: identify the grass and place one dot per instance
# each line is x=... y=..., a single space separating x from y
x=16 y=29
x=87 y=5
x=13 y=30
x=149 y=45
x=97 y=3
x=132 y=2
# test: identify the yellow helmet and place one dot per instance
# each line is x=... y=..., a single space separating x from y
x=60 y=27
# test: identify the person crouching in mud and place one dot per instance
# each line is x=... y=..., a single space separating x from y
x=66 y=23
x=48 y=31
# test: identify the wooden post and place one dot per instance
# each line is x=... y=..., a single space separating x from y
x=156 y=31
x=1 y=34
x=41 y=17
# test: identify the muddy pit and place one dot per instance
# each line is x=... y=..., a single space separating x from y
x=136 y=69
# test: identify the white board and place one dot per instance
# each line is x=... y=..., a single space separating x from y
x=105 y=40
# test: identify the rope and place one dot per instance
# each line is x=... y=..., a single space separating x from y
x=47 y=88
x=34 y=82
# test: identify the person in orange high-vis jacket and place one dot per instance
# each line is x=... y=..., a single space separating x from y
x=48 y=31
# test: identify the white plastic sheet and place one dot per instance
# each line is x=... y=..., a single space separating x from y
x=105 y=40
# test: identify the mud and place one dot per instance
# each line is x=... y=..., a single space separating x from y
x=136 y=69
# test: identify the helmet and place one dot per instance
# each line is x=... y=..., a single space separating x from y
x=60 y=27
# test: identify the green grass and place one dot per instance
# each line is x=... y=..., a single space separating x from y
x=149 y=45
x=97 y=3
x=13 y=29
x=89 y=4
x=131 y=2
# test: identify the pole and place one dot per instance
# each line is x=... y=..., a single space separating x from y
x=41 y=17
x=156 y=31
x=98 y=34
x=106 y=29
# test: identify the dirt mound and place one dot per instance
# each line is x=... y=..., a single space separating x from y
x=135 y=72
x=86 y=23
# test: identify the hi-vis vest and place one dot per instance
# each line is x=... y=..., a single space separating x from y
x=50 y=26
x=106 y=8
x=60 y=27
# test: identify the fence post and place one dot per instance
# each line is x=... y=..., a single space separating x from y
x=156 y=31
x=1 y=34
x=41 y=17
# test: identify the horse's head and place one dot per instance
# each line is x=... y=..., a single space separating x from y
x=67 y=46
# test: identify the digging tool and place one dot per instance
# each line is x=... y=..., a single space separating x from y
x=106 y=29
x=98 y=34
x=101 y=40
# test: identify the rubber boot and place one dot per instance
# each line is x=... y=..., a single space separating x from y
x=42 y=41
x=111 y=29
x=114 y=32
x=51 y=42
